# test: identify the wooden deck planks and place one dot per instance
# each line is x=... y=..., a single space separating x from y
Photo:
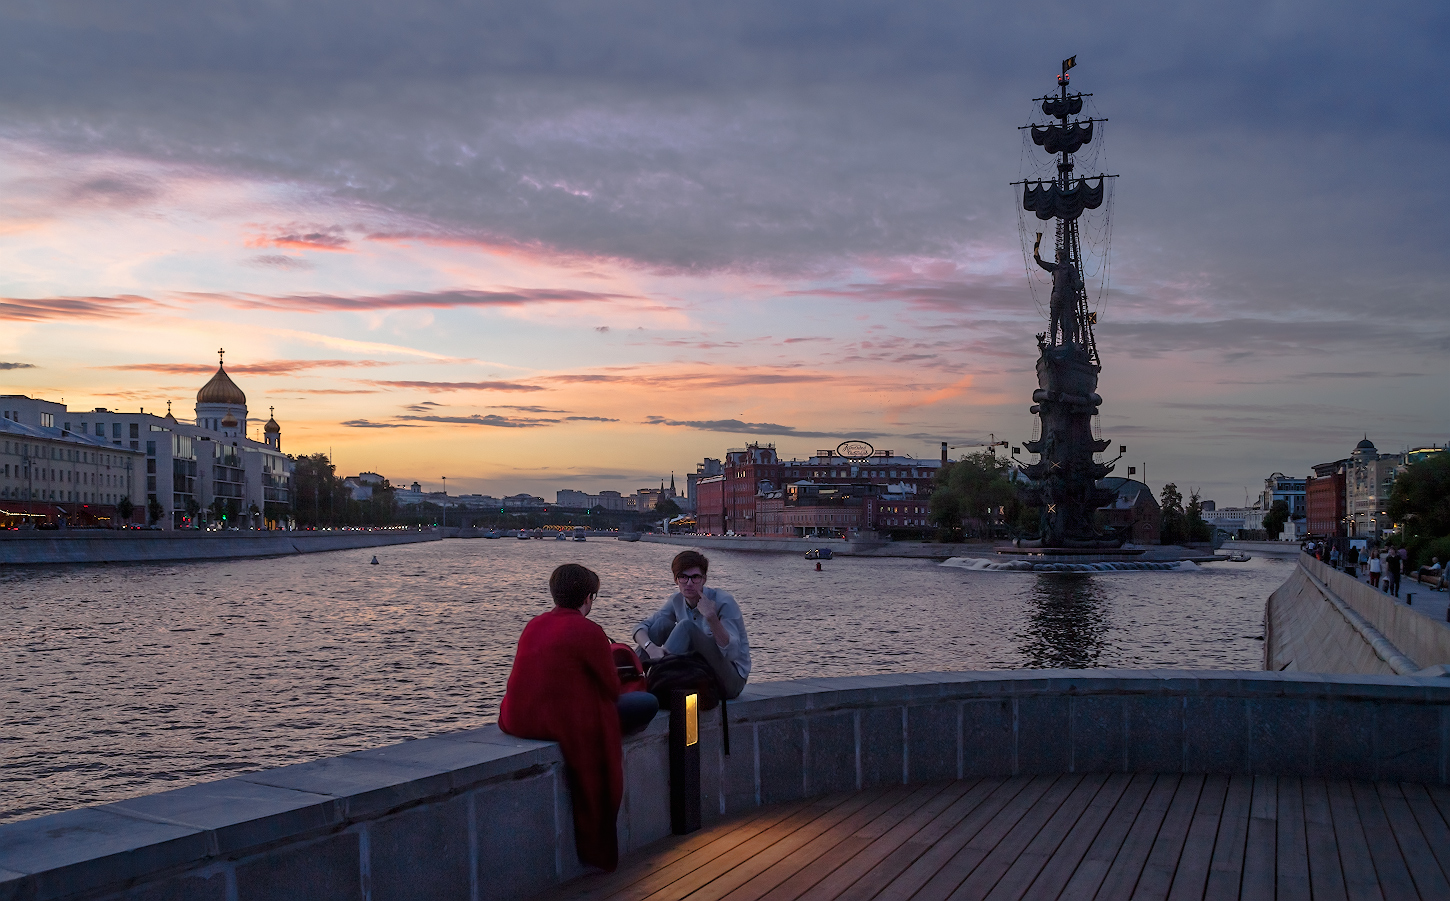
x=1032 y=860
x=1087 y=877
x=1226 y=873
x=1162 y=863
x=1064 y=836
x=885 y=872
x=791 y=877
x=1360 y=881
x=1326 y=877
x=1132 y=856
x=871 y=851
x=1419 y=859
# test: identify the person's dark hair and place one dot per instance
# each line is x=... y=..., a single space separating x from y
x=572 y=584
x=686 y=559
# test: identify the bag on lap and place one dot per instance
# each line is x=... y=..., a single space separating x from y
x=689 y=672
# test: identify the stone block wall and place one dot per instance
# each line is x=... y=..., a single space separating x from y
x=480 y=815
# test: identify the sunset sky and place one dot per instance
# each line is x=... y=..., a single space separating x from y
x=531 y=246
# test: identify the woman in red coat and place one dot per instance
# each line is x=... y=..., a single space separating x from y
x=564 y=687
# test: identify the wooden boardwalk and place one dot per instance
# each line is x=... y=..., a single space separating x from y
x=1067 y=836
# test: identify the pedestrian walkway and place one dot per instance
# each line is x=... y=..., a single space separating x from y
x=1107 y=836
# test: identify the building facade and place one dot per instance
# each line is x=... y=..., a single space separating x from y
x=53 y=477
x=729 y=503
x=198 y=475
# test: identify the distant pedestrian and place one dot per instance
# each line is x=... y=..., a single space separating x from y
x=1351 y=561
x=1334 y=556
x=1395 y=565
x=1376 y=566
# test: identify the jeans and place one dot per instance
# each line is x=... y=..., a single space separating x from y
x=687 y=637
x=636 y=710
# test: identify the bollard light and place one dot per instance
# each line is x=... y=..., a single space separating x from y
x=684 y=762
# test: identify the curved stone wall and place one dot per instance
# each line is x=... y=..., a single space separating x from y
x=1322 y=620
x=480 y=815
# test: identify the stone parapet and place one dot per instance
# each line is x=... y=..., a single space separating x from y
x=139 y=546
x=480 y=815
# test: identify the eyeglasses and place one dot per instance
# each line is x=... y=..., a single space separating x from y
x=689 y=577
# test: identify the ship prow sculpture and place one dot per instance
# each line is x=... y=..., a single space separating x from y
x=1064 y=480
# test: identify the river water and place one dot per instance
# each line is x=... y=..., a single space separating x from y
x=121 y=680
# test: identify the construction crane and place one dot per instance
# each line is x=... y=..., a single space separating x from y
x=991 y=444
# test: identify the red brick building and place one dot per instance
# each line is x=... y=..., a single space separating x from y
x=1325 y=507
x=735 y=501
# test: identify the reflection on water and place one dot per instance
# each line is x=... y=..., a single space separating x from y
x=120 y=680
x=1066 y=625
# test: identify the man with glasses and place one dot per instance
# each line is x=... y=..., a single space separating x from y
x=700 y=619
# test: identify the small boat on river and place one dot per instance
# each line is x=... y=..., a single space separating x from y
x=819 y=553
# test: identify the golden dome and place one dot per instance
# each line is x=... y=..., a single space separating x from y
x=221 y=390
x=229 y=421
x=271 y=428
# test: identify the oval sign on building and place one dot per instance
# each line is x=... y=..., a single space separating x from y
x=855 y=451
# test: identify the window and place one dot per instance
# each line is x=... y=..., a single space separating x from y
x=135 y=431
x=47 y=420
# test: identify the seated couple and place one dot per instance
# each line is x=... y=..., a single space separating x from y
x=564 y=686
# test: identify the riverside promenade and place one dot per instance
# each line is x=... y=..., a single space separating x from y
x=1108 y=784
x=143 y=546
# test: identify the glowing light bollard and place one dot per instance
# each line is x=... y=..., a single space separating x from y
x=684 y=762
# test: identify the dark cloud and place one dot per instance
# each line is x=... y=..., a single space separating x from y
x=333 y=238
x=589 y=419
x=488 y=419
x=457 y=386
x=280 y=261
x=42 y=309
x=519 y=409
x=367 y=424
x=751 y=136
x=265 y=367
x=739 y=427
x=8 y=366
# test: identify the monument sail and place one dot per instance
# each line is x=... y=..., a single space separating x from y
x=1064 y=480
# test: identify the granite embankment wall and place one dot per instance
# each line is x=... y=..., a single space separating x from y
x=839 y=547
x=1322 y=620
x=479 y=815
x=19 y=548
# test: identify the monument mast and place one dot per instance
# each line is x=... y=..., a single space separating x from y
x=1064 y=478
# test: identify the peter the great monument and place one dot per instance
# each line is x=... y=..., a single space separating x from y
x=1324 y=776
x=1065 y=478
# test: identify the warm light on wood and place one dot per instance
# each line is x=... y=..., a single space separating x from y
x=692 y=719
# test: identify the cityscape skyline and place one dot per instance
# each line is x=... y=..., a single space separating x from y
x=569 y=249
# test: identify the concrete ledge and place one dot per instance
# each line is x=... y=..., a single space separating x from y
x=479 y=814
x=32 y=548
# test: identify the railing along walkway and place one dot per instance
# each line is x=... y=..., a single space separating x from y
x=1113 y=836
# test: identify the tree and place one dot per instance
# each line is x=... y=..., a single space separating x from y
x=1174 y=522
x=667 y=508
x=124 y=509
x=154 y=511
x=1195 y=526
x=1274 y=521
x=1421 y=501
x=973 y=494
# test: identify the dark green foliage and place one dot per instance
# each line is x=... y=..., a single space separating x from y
x=1196 y=527
x=973 y=495
x=667 y=508
x=1274 y=521
x=1421 y=501
x=319 y=498
x=124 y=509
x=154 y=511
x=1175 y=523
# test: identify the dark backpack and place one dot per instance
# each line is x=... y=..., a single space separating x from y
x=684 y=672
x=690 y=672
